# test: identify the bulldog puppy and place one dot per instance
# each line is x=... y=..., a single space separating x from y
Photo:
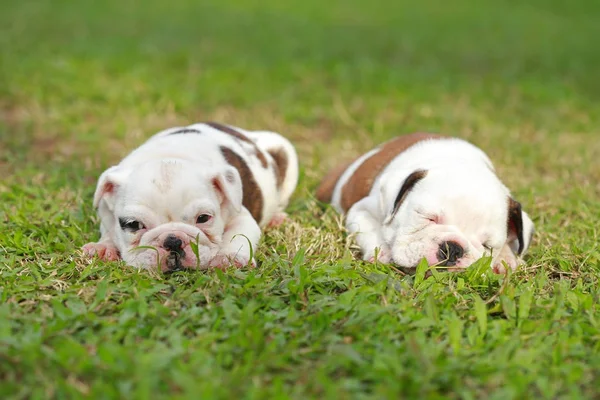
x=428 y=196
x=208 y=185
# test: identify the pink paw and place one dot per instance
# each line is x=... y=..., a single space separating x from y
x=103 y=250
x=383 y=256
x=277 y=220
x=500 y=266
x=499 y=269
x=223 y=261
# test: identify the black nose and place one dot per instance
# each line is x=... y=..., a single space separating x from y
x=172 y=243
x=449 y=253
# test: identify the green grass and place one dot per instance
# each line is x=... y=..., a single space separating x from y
x=82 y=83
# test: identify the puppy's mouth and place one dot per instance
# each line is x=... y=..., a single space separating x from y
x=174 y=260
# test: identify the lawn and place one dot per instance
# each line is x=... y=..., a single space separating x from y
x=83 y=82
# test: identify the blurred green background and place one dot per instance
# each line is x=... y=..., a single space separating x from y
x=108 y=59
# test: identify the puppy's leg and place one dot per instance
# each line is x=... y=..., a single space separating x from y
x=362 y=221
x=277 y=219
x=240 y=233
x=285 y=169
x=105 y=248
x=507 y=256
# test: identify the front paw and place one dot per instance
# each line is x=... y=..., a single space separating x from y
x=226 y=260
x=277 y=219
x=499 y=266
x=381 y=254
x=506 y=258
x=104 y=250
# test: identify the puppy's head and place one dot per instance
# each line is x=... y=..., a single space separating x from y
x=163 y=209
x=452 y=217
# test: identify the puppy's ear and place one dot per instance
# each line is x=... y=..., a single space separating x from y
x=520 y=228
x=228 y=185
x=108 y=184
x=409 y=183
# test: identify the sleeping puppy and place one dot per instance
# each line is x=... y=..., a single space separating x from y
x=205 y=189
x=428 y=196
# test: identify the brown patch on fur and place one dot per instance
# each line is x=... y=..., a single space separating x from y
x=515 y=222
x=241 y=137
x=252 y=195
x=360 y=183
x=327 y=185
x=186 y=130
x=407 y=186
x=280 y=166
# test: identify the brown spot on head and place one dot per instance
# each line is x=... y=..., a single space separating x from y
x=252 y=195
x=361 y=182
x=241 y=137
x=281 y=164
x=407 y=186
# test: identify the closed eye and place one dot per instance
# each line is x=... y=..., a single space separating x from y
x=429 y=217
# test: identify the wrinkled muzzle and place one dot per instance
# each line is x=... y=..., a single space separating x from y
x=173 y=247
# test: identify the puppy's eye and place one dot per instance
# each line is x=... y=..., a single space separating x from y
x=203 y=218
x=130 y=224
x=487 y=246
x=430 y=218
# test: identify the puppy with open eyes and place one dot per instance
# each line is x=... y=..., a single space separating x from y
x=207 y=184
x=429 y=196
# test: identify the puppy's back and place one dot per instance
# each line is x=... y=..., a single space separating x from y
x=327 y=186
x=358 y=184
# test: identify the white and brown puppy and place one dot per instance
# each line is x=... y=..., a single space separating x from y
x=209 y=185
x=428 y=196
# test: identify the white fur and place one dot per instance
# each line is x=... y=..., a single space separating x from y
x=170 y=180
x=460 y=193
